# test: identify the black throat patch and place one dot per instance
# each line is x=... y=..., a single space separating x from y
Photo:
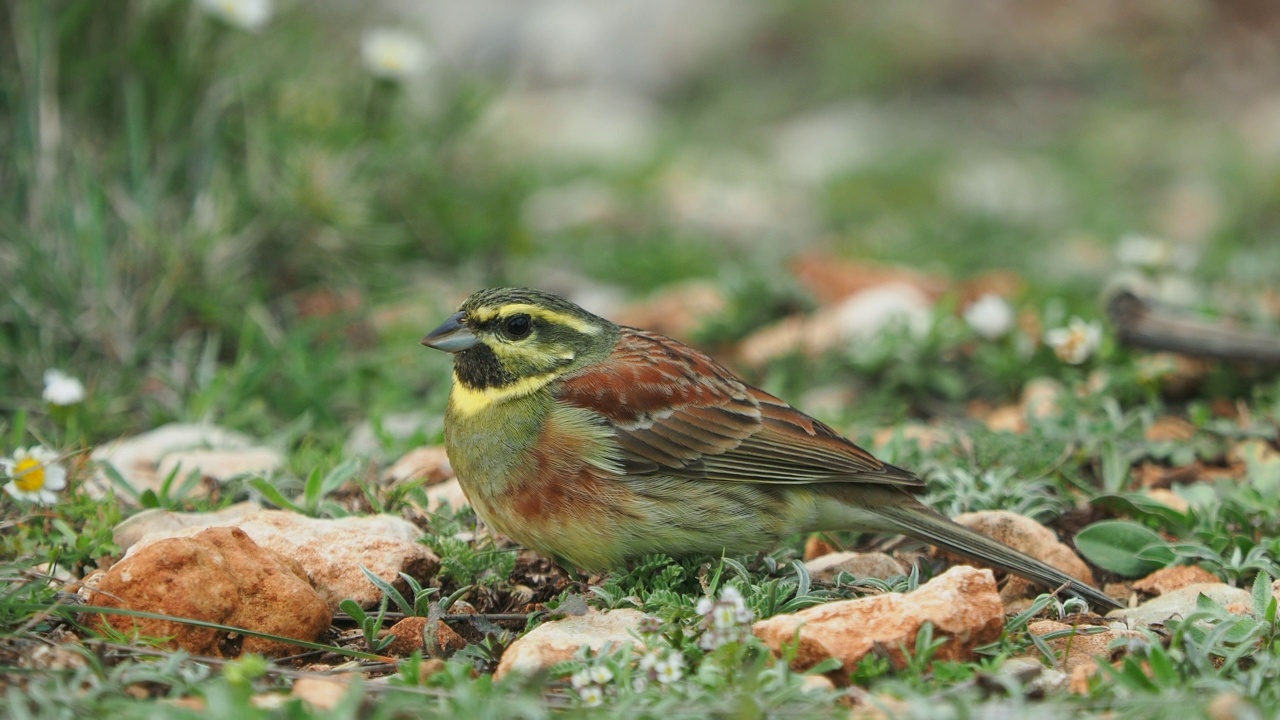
x=478 y=369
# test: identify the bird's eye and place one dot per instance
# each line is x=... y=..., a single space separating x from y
x=518 y=326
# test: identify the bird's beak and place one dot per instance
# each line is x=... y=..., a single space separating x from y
x=453 y=336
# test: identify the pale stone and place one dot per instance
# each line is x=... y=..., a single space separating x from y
x=446 y=494
x=138 y=459
x=425 y=463
x=1028 y=536
x=1169 y=499
x=220 y=465
x=856 y=319
x=1040 y=398
x=220 y=576
x=962 y=605
x=169 y=523
x=860 y=565
x=1182 y=602
x=560 y=640
x=1168 y=579
x=322 y=693
x=1086 y=646
x=333 y=551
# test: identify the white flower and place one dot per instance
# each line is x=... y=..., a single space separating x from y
x=592 y=695
x=36 y=475
x=990 y=316
x=580 y=679
x=724 y=616
x=670 y=669
x=649 y=661
x=724 y=619
x=601 y=674
x=251 y=15
x=1075 y=343
x=1140 y=251
x=391 y=53
x=62 y=389
x=640 y=684
x=705 y=605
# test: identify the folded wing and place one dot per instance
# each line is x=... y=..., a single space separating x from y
x=676 y=411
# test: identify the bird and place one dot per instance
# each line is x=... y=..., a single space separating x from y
x=595 y=444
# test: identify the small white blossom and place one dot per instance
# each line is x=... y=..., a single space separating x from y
x=592 y=695
x=723 y=617
x=990 y=316
x=640 y=684
x=601 y=675
x=62 y=389
x=670 y=668
x=1140 y=251
x=1075 y=343
x=724 y=620
x=649 y=661
x=705 y=604
x=580 y=679
x=392 y=54
x=251 y=15
x=36 y=475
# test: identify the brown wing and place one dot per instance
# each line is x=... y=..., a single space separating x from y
x=677 y=412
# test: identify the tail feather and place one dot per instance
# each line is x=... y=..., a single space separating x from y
x=919 y=522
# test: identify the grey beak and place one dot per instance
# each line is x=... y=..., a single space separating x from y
x=453 y=336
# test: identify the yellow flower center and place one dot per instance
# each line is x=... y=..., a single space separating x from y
x=29 y=475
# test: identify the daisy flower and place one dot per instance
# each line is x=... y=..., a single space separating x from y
x=649 y=660
x=36 y=475
x=601 y=675
x=251 y=15
x=670 y=668
x=990 y=316
x=592 y=695
x=62 y=389
x=392 y=54
x=1076 y=342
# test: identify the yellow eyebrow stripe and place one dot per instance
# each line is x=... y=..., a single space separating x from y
x=467 y=401
x=534 y=311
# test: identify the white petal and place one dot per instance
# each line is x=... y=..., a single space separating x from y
x=55 y=477
x=392 y=53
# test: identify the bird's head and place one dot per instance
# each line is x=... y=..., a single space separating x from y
x=503 y=337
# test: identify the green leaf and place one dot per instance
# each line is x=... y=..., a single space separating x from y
x=340 y=474
x=1143 y=507
x=352 y=608
x=1162 y=668
x=118 y=480
x=1125 y=548
x=311 y=490
x=1262 y=597
x=273 y=495
x=388 y=591
x=148 y=499
x=1204 y=602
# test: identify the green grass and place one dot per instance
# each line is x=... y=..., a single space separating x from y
x=206 y=224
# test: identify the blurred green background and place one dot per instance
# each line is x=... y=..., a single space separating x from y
x=250 y=212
